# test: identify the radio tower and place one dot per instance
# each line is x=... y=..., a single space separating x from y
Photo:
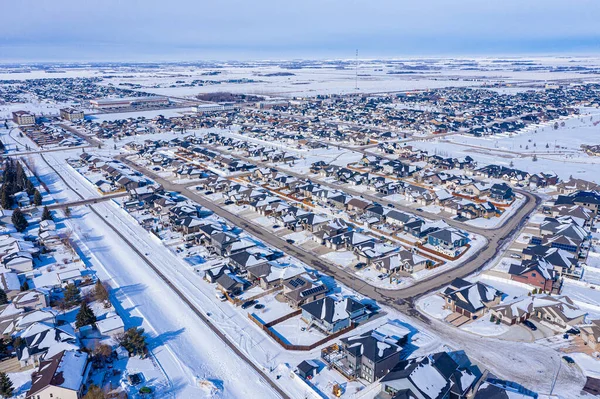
x=356 y=72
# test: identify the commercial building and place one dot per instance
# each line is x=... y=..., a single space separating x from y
x=128 y=102
x=71 y=114
x=23 y=118
x=207 y=108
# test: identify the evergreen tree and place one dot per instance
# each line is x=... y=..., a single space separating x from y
x=30 y=187
x=134 y=341
x=18 y=219
x=46 y=215
x=37 y=198
x=3 y=297
x=71 y=294
x=6 y=199
x=6 y=386
x=85 y=316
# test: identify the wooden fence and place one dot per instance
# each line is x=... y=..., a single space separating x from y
x=267 y=328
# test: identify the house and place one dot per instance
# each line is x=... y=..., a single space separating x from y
x=514 y=311
x=436 y=376
x=494 y=388
x=332 y=314
x=373 y=354
x=557 y=310
x=111 y=326
x=230 y=283
x=42 y=340
x=537 y=272
x=301 y=290
x=501 y=192
x=470 y=299
x=447 y=240
x=586 y=199
x=31 y=300
x=272 y=274
x=60 y=376
x=403 y=260
x=590 y=334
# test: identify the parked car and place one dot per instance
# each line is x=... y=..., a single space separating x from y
x=391 y=205
x=290 y=241
x=568 y=359
x=360 y=265
x=247 y=304
x=530 y=325
x=514 y=255
x=228 y=202
x=574 y=331
x=221 y=297
x=208 y=192
x=420 y=209
x=276 y=226
x=259 y=306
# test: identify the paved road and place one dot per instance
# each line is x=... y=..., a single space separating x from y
x=173 y=287
x=90 y=140
x=476 y=261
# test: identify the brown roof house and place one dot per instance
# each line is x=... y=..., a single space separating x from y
x=61 y=376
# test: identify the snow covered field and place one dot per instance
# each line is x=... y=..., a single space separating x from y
x=563 y=155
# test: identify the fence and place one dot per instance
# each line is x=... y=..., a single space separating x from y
x=266 y=327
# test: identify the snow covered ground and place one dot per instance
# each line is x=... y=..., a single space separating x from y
x=563 y=155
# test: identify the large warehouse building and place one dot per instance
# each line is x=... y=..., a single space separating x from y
x=128 y=101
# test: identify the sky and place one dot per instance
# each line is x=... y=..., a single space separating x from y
x=200 y=30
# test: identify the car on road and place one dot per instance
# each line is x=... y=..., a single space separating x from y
x=247 y=304
x=530 y=325
x=568 y=359
x=290 y=241
x=259 y=306
x=420 y=209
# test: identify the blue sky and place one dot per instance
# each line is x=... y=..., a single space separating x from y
x=158 y=30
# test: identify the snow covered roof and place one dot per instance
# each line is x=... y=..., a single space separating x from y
x=65 y=369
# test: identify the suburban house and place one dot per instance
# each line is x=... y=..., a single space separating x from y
x=470 y=299
x=332 y=314
x=60 y=376
x=437 y=376
x=591 y=334
x=373 y=354
x=536 y=272
x=557 y=310
x=501 y=192
x=403 y=260
x=300 y=290
x=448 y=240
